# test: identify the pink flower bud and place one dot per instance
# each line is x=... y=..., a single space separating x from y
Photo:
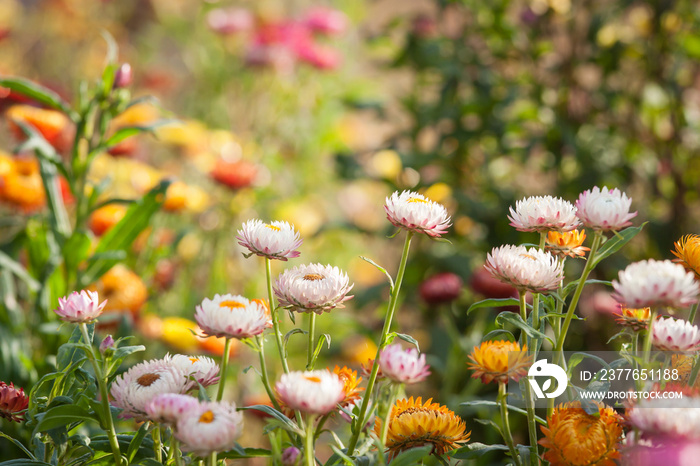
x=123 y=76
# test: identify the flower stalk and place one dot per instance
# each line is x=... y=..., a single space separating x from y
x=507 y=436
x=274 y=315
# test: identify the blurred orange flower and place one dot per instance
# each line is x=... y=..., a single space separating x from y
x=636 y=319
x=123 y=290
x=235 y=175
x=104 y=218
x=568 y=243
x=499 y=360
x=53 y=125
x=351 y=381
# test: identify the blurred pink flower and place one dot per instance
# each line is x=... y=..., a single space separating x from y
x=13 y=402
x=230 y=20
x=168 y=407
x=403 y=366
x=208 y=427
x=80 y=307
x=675 y=335
x=232 y=316
x=531 y=269
x=312 y=392
x=651 y=283
x=441 y=288
x=325 y=20
x=604 y=209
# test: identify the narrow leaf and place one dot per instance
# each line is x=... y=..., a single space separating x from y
x=36 y=92
x=494 y=302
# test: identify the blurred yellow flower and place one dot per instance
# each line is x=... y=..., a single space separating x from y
x=358 y=349
x=124 y=291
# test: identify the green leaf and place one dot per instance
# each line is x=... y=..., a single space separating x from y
x=128 y=131
x=494 y=302
x=409 y=339
x=614 y=244
x=18 y=444
x=124 y=351
x=289 y=425
x=517 y=321
x=63 y=415
x=573 y=284
x=38 y=93
x=496 y=333
x=137 y=440
x=120 y=237
x=76 y=249
x=412 y=457
x=380 y=268
x=24 y=462
x=497 y=405
x=240 y=453
x=287 y=335
x=317 y=351
x=476 y=450
x=6 y=262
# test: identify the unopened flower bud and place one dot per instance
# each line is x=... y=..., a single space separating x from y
x=291 y=456
x=107 y=346
x=441 y=288
x=123 y=76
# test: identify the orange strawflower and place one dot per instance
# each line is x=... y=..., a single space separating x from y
x=499 y=360
x=22 y=184
x=176 y=197
x=414 y=424
x=104 y=218
x=123 y=290
x=52 y=124
x=636 y=319
x=568 y=243
x=574 y=438
x=684 y=363
x=688 y=253
x=351 y=381
x=235 y=175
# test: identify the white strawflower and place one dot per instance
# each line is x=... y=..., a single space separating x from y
x=313 y=288
x=403 y=366
x=414 y=212
x=168 y=407
x=651 y=283
x=200 y=368
x=606 y=209
x=526 y=269
x=274 y=240
x=232 y=316
x=314 y=392
x=80 y=307
x=209 y=427
x=136 y=387
x=543 y=213
x=675 y=335
x=667 y=417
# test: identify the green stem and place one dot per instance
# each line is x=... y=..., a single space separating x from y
x=579 y=288
x=224 y=364
x=310 y=352
x=648 y=337
x=694 y=373
x=693 y=313
x=536 y=296
x=158 y=444
x=263 y=371
x=382 y=342
x=529 y=402
x=273 y=313
x=175 y=450
x=104 y=398
x=309 y=456
x=385 y=424
x=507 y=436
x=213 y=459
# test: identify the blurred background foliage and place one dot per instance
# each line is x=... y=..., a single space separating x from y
x=282 y=115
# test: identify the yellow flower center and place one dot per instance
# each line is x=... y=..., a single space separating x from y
x=231 y=304
x=207 y=417
x=313 y=277
x=272 y=227
x=194 y=360
x=146 y=380
x=417 y=199
x=528 y=256
x=313 y=379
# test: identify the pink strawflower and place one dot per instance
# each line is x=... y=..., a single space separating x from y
x=209 y=427
x=168 y=407
x=606 y=209
x=543 y=213
x=227 y=21
x=651 y=283
x=403 y=366
x=414 y=212
x=313 y=288
x=531 y=269
x=135 y=388
x=675 y=335
x=197 y=368
x=677 y=418
x=325 y=20
x=80 y=307
x=312 y=392
x=232 y=316
x=13 y=402
x=275 y=240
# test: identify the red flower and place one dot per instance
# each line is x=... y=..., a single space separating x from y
x=12 y=402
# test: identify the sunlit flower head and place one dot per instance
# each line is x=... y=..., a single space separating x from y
x=636 y=319
x=573 y=437
x=675 y=335
x=655 y=283
x=135 y=388
x=274 y=240
x=168 y=407
x=688 y=253
x=668 y=417
x=403 y=366
x=232 y=317
x=312 y=392
x=543 y=213
x=313 y=288
x=13 y=402
x=197 y=368
x=351 y=383
x=604 y=209
x=568 y=244
x=526 y=269
x=414 y=212
x=209 y=427
x=414 y=424
x=124 y=290
x=80 y=307
x=499 y=360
